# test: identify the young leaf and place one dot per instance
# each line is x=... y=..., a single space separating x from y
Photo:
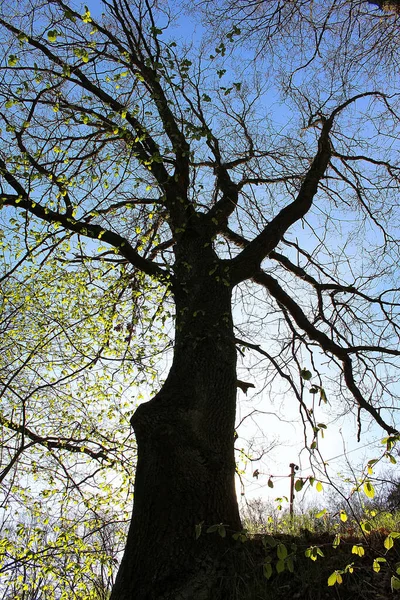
x=369 y=490
x=267 y=570
x=395 y=583
x=366 y=526
x=334 y=578
x=358 y=549
x=376 y=564
x=388 y=542
x=280 y=566
x=270 y=541
x=198 y=528
x=313 y=552
x=86 y=16
x=305 y=374
x=52 y=35
x=12 y=60
x=298 y=486
x=289 y=564
x=281 y=551
x=322 y=395
x=68 y=14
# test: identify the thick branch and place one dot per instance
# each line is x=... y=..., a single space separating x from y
x=22 y=201
x=326 y=343
x=247 y=263
x=76 y=446
x=218 y=215
x=323 y=340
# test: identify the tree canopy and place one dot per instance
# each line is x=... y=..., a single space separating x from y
x=172 y=199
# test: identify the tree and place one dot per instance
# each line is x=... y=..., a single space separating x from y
x=387 y=5
x=190 y=194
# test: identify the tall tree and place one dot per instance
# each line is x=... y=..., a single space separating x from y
x=196 y=183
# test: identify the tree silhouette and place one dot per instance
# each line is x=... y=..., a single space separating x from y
x=170 y=161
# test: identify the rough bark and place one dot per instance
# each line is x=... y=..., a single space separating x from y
x=185 y=437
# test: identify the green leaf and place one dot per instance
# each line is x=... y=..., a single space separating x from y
x=313 y=552
x=319 y=487
x=336 y=541
x=267 y=568
x=376 y=564
x=343 y=516
x=369 y=490
x=395 y=583
x=289 y=564
x=270 y=541
x=280 y=566
x=52 y=35
x=388 y=542
x=358 y=550
x=322 y=395
x=22 y=38
x=82 y=54
x=241 y=536
x=12 y=60
x=366 y=526
x=321 y=513
x=390 y=441
x=68 y=14
x=220 y=528
x=198 y=527
x=298 y=486
x=222 y=531
x=86 y=18
x=334 y=578
x=305 y=374
x=281 y=551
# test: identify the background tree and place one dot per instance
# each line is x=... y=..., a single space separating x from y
x=197 y=179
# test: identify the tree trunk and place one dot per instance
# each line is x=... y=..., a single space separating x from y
x=185 y=437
